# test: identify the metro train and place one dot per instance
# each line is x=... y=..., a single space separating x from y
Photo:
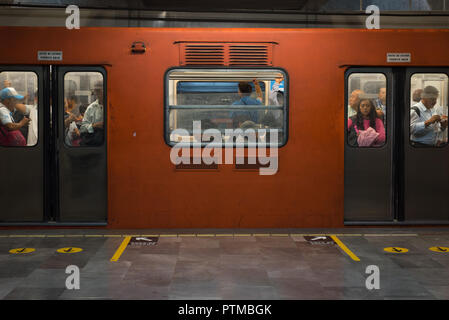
x=143 y=88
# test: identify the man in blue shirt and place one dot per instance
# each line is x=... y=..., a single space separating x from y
x=245 y=89
x=425 y=122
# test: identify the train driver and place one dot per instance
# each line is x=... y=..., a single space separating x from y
x=425 y=122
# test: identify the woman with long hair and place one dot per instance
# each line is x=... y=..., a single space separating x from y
x=365 y=119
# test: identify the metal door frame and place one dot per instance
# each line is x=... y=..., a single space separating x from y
x=49 y=86
x=389 y=143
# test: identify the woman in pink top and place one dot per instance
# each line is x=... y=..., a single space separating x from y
x=365 y=118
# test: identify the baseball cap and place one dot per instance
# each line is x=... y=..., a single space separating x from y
x=10 y=92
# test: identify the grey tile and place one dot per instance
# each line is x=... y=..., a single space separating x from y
x=200 y=242
x=297 y=289
x=45 y=278
x=8 y=284
x=242 y=292
x=194 y=270
x=240 y=247
x=20 y=293
x=200 y=289
x=416 y=262
x=244 y=276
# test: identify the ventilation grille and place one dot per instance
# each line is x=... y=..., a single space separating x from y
x=226 y=54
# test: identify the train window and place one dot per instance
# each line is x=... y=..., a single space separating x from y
x=83 y=109
x=429 y=110
x=18 y=109
x=229 y=101
x=367 y=109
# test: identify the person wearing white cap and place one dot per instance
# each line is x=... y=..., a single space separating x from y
x=10 y=134
x=425 y=122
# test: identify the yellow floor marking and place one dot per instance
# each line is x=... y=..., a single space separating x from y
x=390 y=235
x=148 y=235
x=22 y=250
x=440 y=249
x=279 y=234
x=348 y=235
x=261 y=234
x=242 y=235
x=55 y=236
x=168 y=235
x=224 y=235
x=75 y=235
x=18 y=236
x=186 y=235
x=94 y=235
x=205 y=235
x=113 y=235
x=69 y=250
x=345 y=248
x=120 y=249
x=396 y=250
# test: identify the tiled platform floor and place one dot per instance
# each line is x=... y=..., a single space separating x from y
x=216 y=266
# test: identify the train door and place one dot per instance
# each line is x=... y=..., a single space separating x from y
x=388 y=171
x=59 y=176
x=426 y=150
x=81 y=144
x=368 y=170
x=22 y=175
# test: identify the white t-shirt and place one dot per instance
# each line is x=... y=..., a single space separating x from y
x=5 y=115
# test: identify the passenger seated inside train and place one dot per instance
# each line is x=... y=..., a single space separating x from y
x=10 y=134
x=354 y=100
x=244 y=91
x=92 y=128
x=366 y=129
x=427 y=120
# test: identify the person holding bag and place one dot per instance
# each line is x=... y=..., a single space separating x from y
x=366 y=126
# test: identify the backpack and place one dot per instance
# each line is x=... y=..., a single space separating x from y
x=418 y=112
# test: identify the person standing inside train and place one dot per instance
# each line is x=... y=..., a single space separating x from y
x=416 y=96
x=92 y=127
x=425 y=122
x=381 y=103
x=369 y=128
x=10 y=134
x=354 y=100
x=245 y=90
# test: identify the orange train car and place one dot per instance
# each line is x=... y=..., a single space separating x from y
x=106 y=102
